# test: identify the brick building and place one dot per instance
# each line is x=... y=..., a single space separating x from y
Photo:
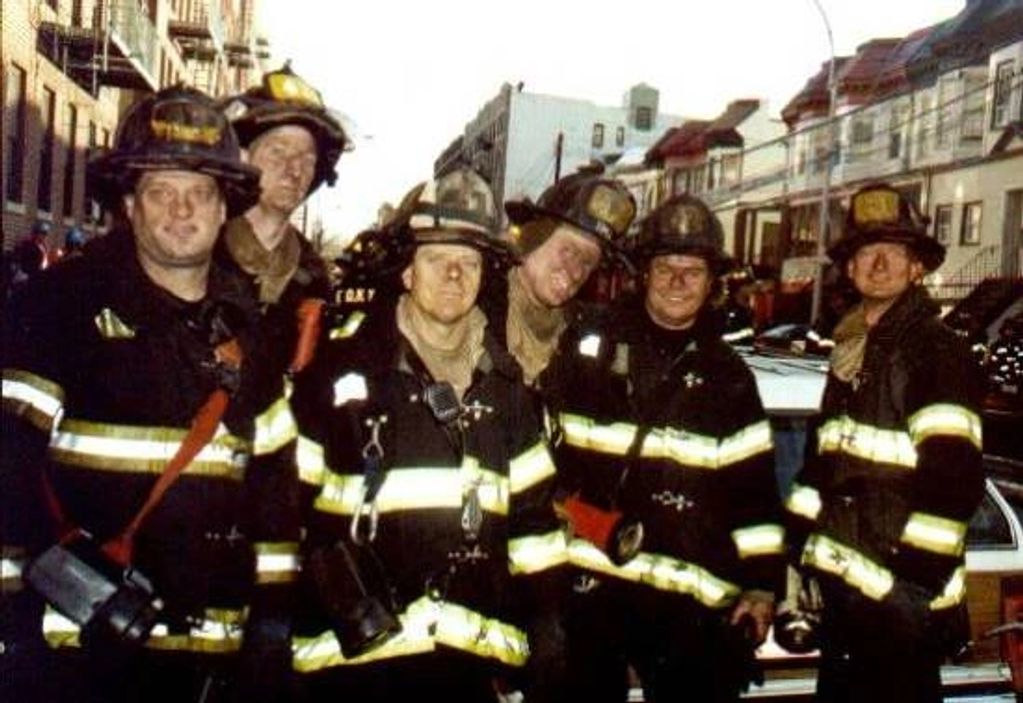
x=72 y=67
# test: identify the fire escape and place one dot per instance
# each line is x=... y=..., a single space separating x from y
x=200 y=36
x=119 y=49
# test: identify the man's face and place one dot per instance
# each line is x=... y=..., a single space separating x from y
x=286 y=158
x=677 y=287
x=176 y=216
x=443 y=280
x=555 y=271
x=883 y=271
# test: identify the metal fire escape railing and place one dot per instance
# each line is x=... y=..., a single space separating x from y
x=131 y=29
x=986 y=263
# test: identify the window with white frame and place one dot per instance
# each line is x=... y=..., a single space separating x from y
x=944 y=111
x=943 y=223
x=923 y=132
x=973 y=108
x=598 y=135
x=620 y=136
x=1000 y=112
x=970 y=228
x=730 y=169
x=861 y=136
x=896 y=129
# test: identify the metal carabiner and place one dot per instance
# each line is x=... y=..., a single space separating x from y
x=370 y=511
x=373 y=479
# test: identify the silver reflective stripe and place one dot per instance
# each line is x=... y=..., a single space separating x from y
x=858 y=571
x=528 y=555
x=411 y=488
x=131 y=448
x=935 y=534
x=274 y=428
x=749 y=441
x=661 y=572
x=530 y=468
x=37 y=399
x=276 y=561
x=220 y=631
x=349 y=327
x=846 y=436
x=309 y=457
x=11 y=565
x=425 y=624
x=805 y=501
x=759 y=540
x=590 y=345
x=945 y=419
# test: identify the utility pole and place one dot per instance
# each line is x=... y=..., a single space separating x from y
x=829 y=125
x=559 y=145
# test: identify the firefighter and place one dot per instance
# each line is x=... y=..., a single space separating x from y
x=295 y=142
x=665 y=475
x=432 y=536
x=145 y=467
x=881 y=511
x=560 y=241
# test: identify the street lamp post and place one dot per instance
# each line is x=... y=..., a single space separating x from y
x=818 y=279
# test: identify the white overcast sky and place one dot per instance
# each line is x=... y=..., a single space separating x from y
x=411 y=74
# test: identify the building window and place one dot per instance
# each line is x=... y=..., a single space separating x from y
x=943 y=223
x=970 y=233
x=1003 y=94
x=973 y=108
x=861 y=137
x=14 y=134
x=644 y=118
x=730 y=168
x=896 y=128
x=620 y=136
x=598 y=135
x=923 y=133
x=943 y=119
x=94 y=207
x=70 y=161
x=44 y=189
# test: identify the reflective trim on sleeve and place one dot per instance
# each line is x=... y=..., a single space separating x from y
x=12 y=562
x=590 y=345
x=529 y=555
x=759 y=540
x=134 y=449
x=846 y=436
x=275 y=427
x=530 y=468
x=661 y=572
x=220 y=631
x=954 y=591
x=935 y=534
x=110 y=326
x=425 y=624
x=351 y=386
x=276 y=562
x=804 y=500
x=38 y=400
x=945 y=419
x=738 y=335
x=867 y=576
x=349 y=327
x=411 y=488
x=683 y=447
x=311 y=464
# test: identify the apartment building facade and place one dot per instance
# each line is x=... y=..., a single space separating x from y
x=71 y=69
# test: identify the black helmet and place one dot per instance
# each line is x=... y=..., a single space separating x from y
x=176 y=128
x=599 y=206
x=283 y=98
x=457 y=208
x=683 y=225
x=880 y=213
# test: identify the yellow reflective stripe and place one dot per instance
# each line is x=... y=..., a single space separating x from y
x=954 y=591
x=425 y=624
x=584 y=433
x=220 y=631
x=845 y=435
x=414 y=488
x=131 y=448
x=110 y=326
x=863 y=574
x=529 y=555
x=659 y=571
x=683 y=447
x=530 y=468
x=804 y=500
x=744 y=333
x=945 y=419
x=349 y=327
x=935 y=534
x=749 y=441
x=276 y=562
x=759 y=540
x=38 y=400
x=312 y=466
x=274 y=428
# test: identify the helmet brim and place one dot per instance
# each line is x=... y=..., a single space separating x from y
x=926 y=249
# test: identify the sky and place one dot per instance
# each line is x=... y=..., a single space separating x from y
x=410 y=74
